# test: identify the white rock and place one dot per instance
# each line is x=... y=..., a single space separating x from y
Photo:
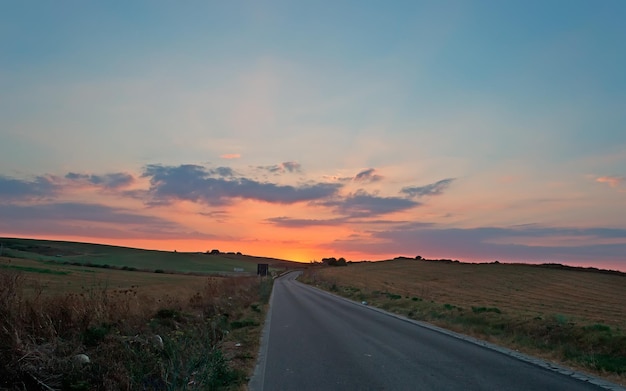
x=81 y=359
x=157 y=341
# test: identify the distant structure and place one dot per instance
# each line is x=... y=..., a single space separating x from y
x=262 y=269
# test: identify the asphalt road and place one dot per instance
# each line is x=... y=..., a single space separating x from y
x=316 y=341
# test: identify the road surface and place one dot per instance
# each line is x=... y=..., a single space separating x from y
x=316 y=341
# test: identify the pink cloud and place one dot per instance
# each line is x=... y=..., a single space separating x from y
x=230 y=156
x=611 y=180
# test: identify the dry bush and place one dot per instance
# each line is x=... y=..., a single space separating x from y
x=133 y=340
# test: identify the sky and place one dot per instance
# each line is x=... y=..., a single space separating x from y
x=470 y=130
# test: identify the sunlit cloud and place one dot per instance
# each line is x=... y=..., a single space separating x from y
x=611 y=180
x=230 y=156
x=302 y=223
x=432 y=189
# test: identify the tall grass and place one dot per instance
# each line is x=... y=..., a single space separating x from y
x=132 y=341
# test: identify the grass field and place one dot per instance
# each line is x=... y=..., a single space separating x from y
x=52 y=309
x=101 y=255
x=575 y=317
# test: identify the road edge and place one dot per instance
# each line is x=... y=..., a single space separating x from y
x=588 y=378
x=258 y=377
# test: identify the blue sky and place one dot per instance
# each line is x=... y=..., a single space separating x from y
x=295 y=130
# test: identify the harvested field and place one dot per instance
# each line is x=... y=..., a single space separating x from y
x=573 y=316
x=522 y=289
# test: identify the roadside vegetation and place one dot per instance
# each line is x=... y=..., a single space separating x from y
x=575 y=317
x=64 y=327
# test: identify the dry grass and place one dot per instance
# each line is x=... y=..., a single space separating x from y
x=59 y=278
x=209 y=328
x=574 y=317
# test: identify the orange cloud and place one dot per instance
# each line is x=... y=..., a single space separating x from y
x=230 y=156
x=611 y=180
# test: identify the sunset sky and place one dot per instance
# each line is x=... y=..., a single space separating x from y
x=470 y=130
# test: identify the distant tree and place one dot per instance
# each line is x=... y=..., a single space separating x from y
x=215 y=251
x=419 y=258
x=332 y=261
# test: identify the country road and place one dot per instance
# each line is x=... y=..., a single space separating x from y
x=316 y=341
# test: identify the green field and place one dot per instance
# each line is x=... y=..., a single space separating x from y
x=47 y=251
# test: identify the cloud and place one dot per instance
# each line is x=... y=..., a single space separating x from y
x=88 y=220
x=522 y=243
x=197 y=184
x=367 y=176
x=282 y=167
x=108 y=181
x=302 y=223
x=14 y=189
x=611 y=180
x=436 y=188
x=363 y=204
x=230 y=156
x=222 y=171
x=75 y=211
x=292 y=166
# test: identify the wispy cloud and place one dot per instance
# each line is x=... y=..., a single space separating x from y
x=302 y=223
x=282 y=167
x=230 y=156
x=521 y=243
x=611 y=180
x=108 y=181
x=432 y=189
x=368 y=175
x=95 y=220
x=20 y=189
x=195 y=183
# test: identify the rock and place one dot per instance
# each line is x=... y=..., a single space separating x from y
x=364 y=302
x=157 y=341
x=81 y=359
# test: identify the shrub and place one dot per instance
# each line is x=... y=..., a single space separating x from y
x=478 y=310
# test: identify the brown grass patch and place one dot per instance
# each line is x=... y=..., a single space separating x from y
x=208 y=329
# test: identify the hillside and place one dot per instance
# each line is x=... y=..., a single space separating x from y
x=125 y=257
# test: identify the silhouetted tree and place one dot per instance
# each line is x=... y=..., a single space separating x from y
x=332 y=261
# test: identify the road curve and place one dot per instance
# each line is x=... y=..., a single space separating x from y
x=316 y=341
